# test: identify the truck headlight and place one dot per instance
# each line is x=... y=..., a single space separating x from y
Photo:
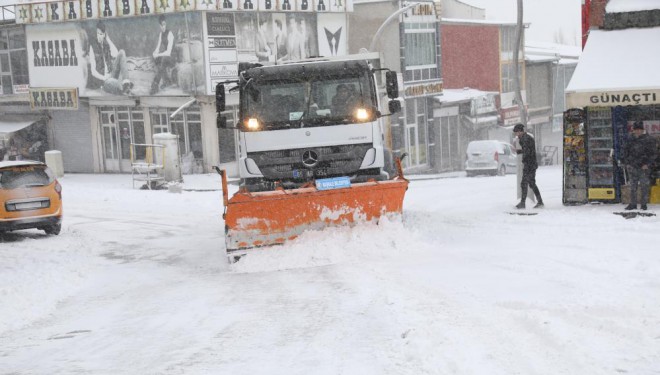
x=252 y=124
x=361 y=114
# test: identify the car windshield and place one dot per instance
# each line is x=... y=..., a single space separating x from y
x=318 y=102
x=25 y=176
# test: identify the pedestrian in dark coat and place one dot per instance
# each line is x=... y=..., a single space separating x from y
x=639 y=154
x=528 y=151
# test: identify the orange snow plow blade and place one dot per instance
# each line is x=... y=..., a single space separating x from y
x=274 y=217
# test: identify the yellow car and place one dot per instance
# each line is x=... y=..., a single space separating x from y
x=30 y=197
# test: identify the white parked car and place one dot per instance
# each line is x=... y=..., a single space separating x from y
x=490 y=157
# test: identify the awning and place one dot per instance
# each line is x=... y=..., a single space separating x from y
x=617 y=67
x=14 y=126
x=480 y=121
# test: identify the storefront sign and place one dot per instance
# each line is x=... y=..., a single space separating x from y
x=483 y=104
x=424 y=12
x=423 y=90
x=21 y=89
x=510 y=115
x=220 y=24
x=54 y=98
x=613 y=98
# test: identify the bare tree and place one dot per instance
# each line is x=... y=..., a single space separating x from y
x=516 y=64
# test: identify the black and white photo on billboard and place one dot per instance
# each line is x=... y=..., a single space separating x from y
x=270 y=38
x=157 y=55
x=332 y=34
x=206 y=4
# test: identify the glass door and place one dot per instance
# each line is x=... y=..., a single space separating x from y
x=599 y=150
x=415 y=133
x=119 y=128
x=187 y=124
x=110 y=140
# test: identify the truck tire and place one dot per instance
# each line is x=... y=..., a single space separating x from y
x=254 y=185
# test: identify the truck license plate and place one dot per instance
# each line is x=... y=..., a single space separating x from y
x=321 y=172
x=333 y=183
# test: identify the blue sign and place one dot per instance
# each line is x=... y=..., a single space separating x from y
x=333 y=183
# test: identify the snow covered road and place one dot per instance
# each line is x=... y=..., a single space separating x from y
x=137 y=283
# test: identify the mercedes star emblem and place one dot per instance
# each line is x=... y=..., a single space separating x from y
x=310 y=158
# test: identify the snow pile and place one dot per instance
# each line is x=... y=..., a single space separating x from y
x=622 y=6
x=34 y=276
x=138 y=283
x=366 y=242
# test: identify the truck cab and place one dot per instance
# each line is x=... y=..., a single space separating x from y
x=309 y=120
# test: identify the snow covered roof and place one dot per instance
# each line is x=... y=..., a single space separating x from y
x=8 y=125
x=460 y=95
x=19 y=163
x=539 y=57
x=622 y=6
x=541 y=51
x=480 y=22
x=618 y=60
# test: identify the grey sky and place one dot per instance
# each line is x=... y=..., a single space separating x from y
x=554 y=21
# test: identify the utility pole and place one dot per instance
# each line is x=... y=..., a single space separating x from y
x=516 y=66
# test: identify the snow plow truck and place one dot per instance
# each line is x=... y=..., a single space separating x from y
x=312 y=150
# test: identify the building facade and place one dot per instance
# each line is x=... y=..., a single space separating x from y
x=409 y=44
x=614 y=85
x=112 y=74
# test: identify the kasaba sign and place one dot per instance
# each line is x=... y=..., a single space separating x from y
x=54 y=98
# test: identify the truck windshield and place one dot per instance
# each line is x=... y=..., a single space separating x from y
x=317 y=102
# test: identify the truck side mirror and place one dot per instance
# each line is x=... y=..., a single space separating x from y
x=221 y=121
x=394 y=106
x=219 y=98
x=391 y=84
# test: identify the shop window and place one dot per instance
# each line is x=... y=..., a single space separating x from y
x=121 y=126
x=508 y=74
x=187 y=124
x=16 y=39
x=4 y=41
x=19 y=69
x=159 y=122
x=420 y=48
x=13 y=59
x=4 y=63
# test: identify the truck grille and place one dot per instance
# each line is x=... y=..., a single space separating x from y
x=332 y=161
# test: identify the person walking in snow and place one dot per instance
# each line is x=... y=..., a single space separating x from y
x=638 y=157
x=530 y=165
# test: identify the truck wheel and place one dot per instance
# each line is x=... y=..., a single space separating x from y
x=252 y=184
